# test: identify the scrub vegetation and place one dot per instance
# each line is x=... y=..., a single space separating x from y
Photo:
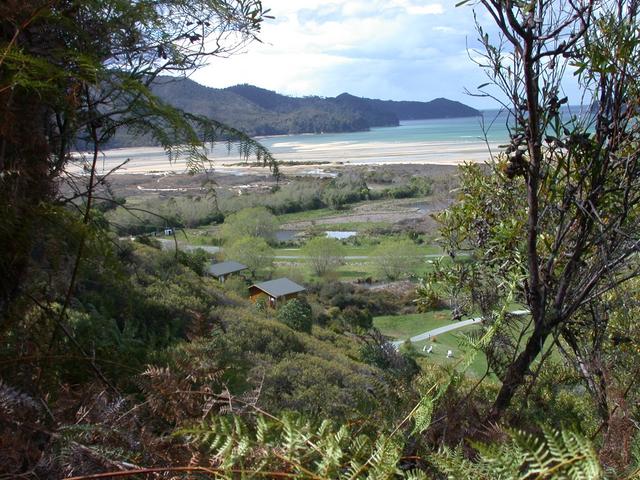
x=121 y=357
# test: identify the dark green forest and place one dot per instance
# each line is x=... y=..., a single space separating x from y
x=119 y=359
x=257 y=111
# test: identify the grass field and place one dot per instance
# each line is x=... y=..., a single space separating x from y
x=451 y=341
x=307 y=215
x=363 y=250
x=351 y=270
x=401 y=327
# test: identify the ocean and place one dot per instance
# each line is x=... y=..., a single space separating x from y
x=448 y=141
x=469 y=130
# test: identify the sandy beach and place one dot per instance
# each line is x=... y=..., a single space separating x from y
x=146 y=160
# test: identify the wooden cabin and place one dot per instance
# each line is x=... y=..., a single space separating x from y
x=278 y=290
x=223 y=269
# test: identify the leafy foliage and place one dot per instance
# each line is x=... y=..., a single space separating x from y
x=250 y=222
x=325 y=254
x=344 y=189
x=153 y=215
x=396 y=258
x=254 y=252
x=556 y=212
x=294 y=445
x=74 y=73
x=356 y=319
x=296 y=313
x=557 y=455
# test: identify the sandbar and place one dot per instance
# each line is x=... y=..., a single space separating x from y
x=153 y=160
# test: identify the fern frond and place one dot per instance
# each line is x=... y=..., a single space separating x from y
x=14 y=402
x=562 y=455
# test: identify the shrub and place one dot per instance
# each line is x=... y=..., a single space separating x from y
x=324 y=254
x=343 y=295
x=154 y=214
x=194 y=260
x=378 y=352
x=236 y=284
x=250 y=222
x=262 y=303
x=356 y=318
x=296 y=313
x=254 y=252
x=344 y=189
x=396 y=258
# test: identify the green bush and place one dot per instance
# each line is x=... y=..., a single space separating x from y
x=296 y=313
x=396 y=258
x=250 y=222
x=254 y=252
x=324 y=254
x=151 y=215
x=307 y=383
x=237 y=285
x=377 y=351
x=356 y=318
x=262 y=303
x=417 y=187
x=343 y=295
x=344 y=189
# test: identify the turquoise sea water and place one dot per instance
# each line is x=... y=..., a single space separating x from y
x=449 y=130
x=437 y=141
x=491 y=127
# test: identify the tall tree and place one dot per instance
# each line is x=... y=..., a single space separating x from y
x=325 y=254
x=574 y=179
x=72 y=72
x=394 y=259
x=250 y=222
x=254 y=252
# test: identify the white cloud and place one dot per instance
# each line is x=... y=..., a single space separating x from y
x=445 y=29
x=402 y=49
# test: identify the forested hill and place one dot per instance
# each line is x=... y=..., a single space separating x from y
x=262 y=112
x=406 y=110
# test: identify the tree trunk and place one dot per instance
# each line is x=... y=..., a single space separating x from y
x=24 y=185
x=517 y=372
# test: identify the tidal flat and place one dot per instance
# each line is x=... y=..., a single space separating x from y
x=313 y=158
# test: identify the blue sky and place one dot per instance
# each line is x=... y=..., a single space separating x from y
x=389 y=49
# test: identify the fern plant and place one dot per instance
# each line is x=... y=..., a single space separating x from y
x=299 y=447
x=557 y=455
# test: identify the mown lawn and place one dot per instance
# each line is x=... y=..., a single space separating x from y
x=401 y=327
x=351 y=270
x=451 y=341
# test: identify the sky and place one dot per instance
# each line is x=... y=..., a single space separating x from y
x=388 y=49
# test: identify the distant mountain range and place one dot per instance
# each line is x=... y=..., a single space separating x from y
x=258 y=111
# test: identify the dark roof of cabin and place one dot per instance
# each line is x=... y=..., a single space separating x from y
x=279 y=287
x=223 y=268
